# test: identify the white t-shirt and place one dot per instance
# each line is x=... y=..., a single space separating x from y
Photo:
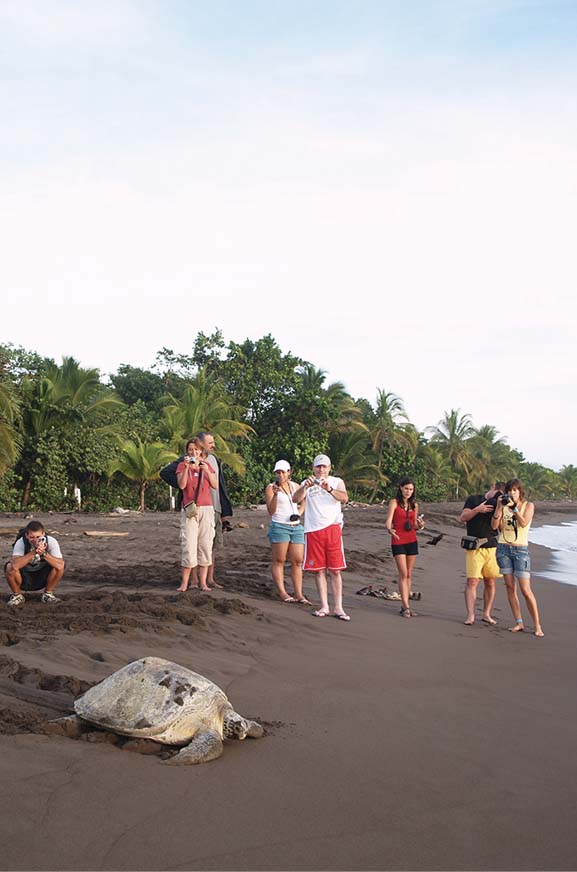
x=321 y=508
x=52 y=547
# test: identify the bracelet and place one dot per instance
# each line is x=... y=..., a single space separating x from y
x=331 y=489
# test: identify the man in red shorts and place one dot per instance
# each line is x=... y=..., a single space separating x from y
x=324 y=495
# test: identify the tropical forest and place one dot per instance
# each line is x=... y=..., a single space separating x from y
x=71 y=438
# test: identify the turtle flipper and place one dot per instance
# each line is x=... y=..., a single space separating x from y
x=204 y=747
x=255 y=730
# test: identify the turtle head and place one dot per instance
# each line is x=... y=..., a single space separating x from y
x=234 y=726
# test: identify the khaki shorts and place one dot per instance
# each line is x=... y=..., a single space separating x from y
x=482 y=563
x=196 y=537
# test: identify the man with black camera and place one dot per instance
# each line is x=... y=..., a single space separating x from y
x=36 y=564
x=481 y=560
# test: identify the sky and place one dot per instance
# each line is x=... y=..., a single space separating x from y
x=389 y=188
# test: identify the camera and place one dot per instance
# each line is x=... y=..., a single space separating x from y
x=190 y=458
x=277 y=479
x=318 y=480
x=506 y=499
x=408 y=526
x=294 y=518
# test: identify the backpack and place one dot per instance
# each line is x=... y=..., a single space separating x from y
x=168 y=473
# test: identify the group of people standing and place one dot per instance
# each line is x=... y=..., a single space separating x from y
x=497 y=522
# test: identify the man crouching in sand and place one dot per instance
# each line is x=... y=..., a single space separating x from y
x=36 y=564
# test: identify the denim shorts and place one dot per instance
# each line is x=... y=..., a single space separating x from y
x=278 y=533
x=514 y=560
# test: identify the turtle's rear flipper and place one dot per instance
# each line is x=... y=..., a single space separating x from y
x=204 y=747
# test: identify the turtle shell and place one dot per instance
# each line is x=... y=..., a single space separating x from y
x=154 y=698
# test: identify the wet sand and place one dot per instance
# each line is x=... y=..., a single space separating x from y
x=391 y=744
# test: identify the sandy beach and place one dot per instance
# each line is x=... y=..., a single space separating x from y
x=390 y=744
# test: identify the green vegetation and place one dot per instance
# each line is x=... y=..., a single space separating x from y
x=64 y=427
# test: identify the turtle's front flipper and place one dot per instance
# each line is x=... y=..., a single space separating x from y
x=255 y=730
x=204 y=747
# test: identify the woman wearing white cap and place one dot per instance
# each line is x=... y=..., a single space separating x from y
x=285 y=533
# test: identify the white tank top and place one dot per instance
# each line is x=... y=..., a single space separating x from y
x=285 y=506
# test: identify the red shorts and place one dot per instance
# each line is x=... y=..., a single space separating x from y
x=324 y=549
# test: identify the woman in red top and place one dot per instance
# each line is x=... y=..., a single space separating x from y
x=195 y=479
x=403 y=521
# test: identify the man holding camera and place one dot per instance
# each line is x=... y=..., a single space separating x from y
x=324 y=495
x=36 y=564
x=481 y=562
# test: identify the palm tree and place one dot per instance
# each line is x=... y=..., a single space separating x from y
x=66 y=394
x=141 y=462
x=10 y=440
x=539 y=481
x=205 y=405
x=568 y=479
x=451 y=436
x=439 y=472
x=351 y=454
x=385 y=429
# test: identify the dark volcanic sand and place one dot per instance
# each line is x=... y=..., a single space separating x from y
x=390 y=744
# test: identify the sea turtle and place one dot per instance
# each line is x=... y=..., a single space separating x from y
x=156 y=699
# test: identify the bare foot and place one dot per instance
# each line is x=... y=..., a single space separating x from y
x=205 y=589
x=181 y=589
x=469 y=622
x=215 y=584
x=539 y=631
x=487 y=619
x=518 y=628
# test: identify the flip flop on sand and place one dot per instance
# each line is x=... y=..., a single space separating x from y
x=320 y=613
x=289 y=599
x=304 y=602
x=393 y=595
x=342 y=616
x=381 y=594
x=365 y=591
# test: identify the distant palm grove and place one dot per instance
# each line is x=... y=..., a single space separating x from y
x=68 y=434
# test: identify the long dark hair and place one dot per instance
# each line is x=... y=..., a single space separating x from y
x=399 y=495
x=515 y=482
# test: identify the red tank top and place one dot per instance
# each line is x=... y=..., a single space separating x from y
x=400 y=518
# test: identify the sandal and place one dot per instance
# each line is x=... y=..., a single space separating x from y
x=303 y=601
x=289 y=599
x=393 y=595
x=405 y=613
x=365 y=591
x=342 y=616
x=320 y=613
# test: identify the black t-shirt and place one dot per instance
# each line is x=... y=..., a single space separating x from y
x=480 y=525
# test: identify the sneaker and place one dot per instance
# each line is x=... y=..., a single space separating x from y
x=17 y=599
x=49 y=598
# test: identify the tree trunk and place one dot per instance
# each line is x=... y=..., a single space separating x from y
x=142 y=489
x=26 y=495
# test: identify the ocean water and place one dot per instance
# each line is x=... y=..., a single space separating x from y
x=562 y=540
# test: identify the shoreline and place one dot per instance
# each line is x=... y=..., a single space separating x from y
x=391 y=744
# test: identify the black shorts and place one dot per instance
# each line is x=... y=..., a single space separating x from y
x=35 y=580
x=411 y=549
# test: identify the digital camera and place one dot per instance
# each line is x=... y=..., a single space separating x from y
x=506 y=499
x=408 y=526
x=294 y=518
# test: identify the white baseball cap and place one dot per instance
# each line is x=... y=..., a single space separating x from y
x=282 y=466
x=322 y=460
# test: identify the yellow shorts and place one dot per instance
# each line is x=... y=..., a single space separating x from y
x=482 y=563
